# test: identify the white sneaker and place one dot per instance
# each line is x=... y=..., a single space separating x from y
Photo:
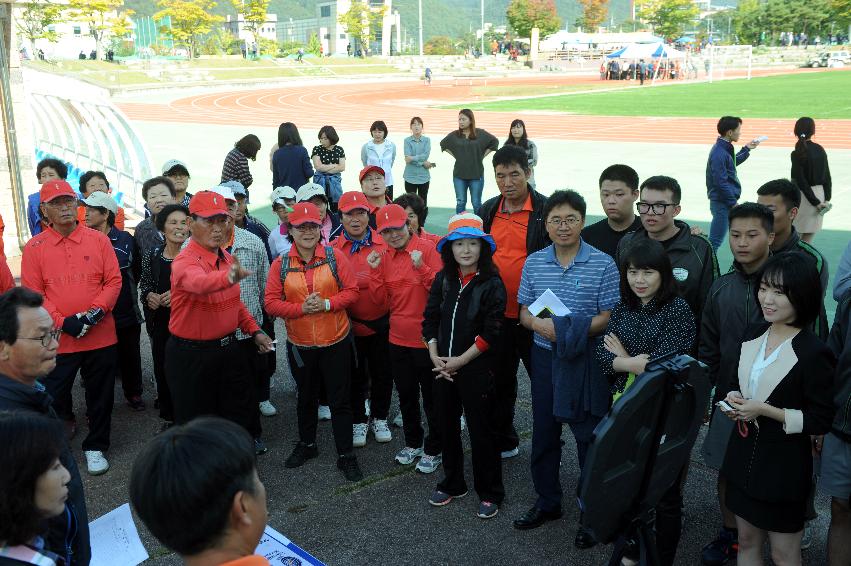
x=324 y=413
x=96 y=463
x=510 y=453
x=267 y=409
x=359 y=435
x=366 y=406
x=381 y=431
x=429 y=464
x=398 y=420
x=407 y=455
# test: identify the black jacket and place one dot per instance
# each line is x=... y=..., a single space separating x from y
x=795 y=244
x=536 y=231
x=840 y=344
x=813 y=170
x=15 y=396
x=455 y=315
x=769 y=464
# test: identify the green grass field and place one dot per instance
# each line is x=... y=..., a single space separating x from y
x=825 y=93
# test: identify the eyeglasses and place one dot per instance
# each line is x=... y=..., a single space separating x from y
x=657 y=207
x=309 y=227
x=570 y=221
x=47 y=338
x=62 y=202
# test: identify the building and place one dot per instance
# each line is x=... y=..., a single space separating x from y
x=332 y=35
x=267 y=30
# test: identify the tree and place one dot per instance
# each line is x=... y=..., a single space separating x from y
x=190 y=19
x=440 y=45
x=362 y=20
x=253 y=14
x=523 y=15
x=103 y=18
x=35 y=19
x=840 y=11
x=667 y=16
x=594 y=13
x=313 y=44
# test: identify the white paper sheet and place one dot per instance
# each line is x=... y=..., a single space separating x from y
x=281 y=551
x=115 y=539
x=549 y=302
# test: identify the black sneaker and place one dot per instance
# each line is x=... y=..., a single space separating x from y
x=721 y=550
x=301 y=454
x=349 y=465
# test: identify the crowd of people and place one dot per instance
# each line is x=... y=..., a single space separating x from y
x=371 y=301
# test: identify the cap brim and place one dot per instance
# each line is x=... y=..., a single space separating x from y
x=210 y=212
x=355 y=207
x=57 y=195
x=465 y=232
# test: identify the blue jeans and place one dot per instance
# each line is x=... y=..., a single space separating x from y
x=476 y=187
x=720 y=222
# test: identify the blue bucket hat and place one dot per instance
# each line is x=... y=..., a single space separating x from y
x=466 y=225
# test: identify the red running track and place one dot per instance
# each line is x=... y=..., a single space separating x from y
x=354 y=106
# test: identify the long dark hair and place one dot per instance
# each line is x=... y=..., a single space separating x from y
x=288 y=134
x=29 y=445
x=487 y=268
x=249 y=146
x=648 y=254
x=524 y=139
x=469 y=114
x=805 y=128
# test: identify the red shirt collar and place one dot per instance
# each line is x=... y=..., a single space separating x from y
x=76 y=236
x=318 y=252
x=206 y=255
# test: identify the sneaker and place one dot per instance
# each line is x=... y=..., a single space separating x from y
x=366 y=406
x=259 y=447
x=324 y=413
x=381 y=431
x=807 y=538
x=267 y=409
x=301 y=454
x=398 y=420
x=136 y=403
x=359 y=435
x=349 y=466
x=407 y=455
x=510 y=453
x=487 y=510
x=96 y=463
x=721 y=550
x=429 y=464
x=439 y=499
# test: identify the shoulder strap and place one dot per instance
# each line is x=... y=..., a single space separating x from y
x=332 y=263
x=285 y=269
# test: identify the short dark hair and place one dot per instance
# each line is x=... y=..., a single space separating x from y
x=288 y=134
x=796 y=276
x=648 y=254
x=162 y=217
x=486 y=266
x=785 y=189
x=753 y=210
x=379 y=125
x=29 y=444
x=330 y=133
x=664 y=183
x=619 y=172
x=727 y=123
x=416 y=119
x=416 y=203
x=249 y=146
x=88 y=176
x=184 y=480
x=568 y=197
x=511 y=155
x=60 y=168
x=11 y=302
x=146 y=186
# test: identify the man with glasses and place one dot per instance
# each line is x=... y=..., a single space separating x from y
x=76 y=271
x=203 y=362
x=692 y=257
x=28 y=345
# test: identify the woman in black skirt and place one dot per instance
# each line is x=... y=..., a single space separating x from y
x=811 y=173
x=783 y=395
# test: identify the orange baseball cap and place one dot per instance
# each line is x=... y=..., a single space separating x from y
x=304 y=213
x=207 y=204
x=54 y=189
x=390 y=216
x=353 y=200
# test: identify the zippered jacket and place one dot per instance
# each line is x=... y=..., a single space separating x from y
x=840 y=343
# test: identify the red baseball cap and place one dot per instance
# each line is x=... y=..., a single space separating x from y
x=390 y=216
x=54 y=189
x=369 y=169
x=303 y=213
x=207 y=204
x=353 y=200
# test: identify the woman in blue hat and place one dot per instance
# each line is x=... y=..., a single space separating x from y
x=462 y=320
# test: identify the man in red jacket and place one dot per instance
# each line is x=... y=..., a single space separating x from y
x=75 y=269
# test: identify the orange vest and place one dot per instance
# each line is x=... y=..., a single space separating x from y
x=320 y=329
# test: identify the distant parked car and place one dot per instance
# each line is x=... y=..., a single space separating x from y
x=830 y=59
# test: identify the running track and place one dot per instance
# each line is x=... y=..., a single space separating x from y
x=354 y=106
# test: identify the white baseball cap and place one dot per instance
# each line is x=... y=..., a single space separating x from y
x=282 y=194
x=102 y=200
x=172 y=163
x=309 y=190
x=237 y=187
x=226 y=192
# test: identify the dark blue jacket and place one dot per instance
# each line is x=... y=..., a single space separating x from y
x=126 y=310
x=579 y=387
x=722 y=182
x=291 y=167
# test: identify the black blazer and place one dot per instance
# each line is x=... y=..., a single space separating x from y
x=773 y=464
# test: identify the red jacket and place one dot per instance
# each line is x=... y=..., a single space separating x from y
x=369 y=306
x=74 y=274
x=7 y=280
x=406 y=287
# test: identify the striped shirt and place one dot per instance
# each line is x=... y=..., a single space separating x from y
x=235 y=168
x=251 y=253
x=588 y=286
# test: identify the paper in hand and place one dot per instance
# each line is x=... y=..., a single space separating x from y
x=548 y=305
